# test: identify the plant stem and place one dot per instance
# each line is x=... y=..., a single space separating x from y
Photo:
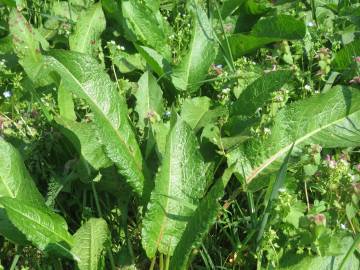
x=152 y=265
x=14 y=262
x=161 y=261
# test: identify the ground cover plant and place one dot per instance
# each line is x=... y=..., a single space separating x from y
x=184 y=134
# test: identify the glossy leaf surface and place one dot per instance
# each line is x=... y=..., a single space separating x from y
x=149 y=103
x=89 y=243
x=179 y=185
x=47 y=230
x=201 y=221
x=85 y=78
x=189 y=74
x=330 y=119
x=86 y=36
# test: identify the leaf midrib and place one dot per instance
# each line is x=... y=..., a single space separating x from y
x=39 y=224
x=278 y=154
x=102 y=114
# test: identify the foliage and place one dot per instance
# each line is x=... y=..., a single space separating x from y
x=217 y=134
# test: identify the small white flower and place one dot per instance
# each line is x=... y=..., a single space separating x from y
x=307 y=87
x=282 y=189
x=7 y=94
x=317 y=92
x=267 y=131
x=112 y=42
x=219 y=66
x=167 y=113
x=310 y=24
x=226 y=90
x=343 y=226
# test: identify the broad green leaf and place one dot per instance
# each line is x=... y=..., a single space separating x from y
x=229 y=6
x=86 y=37
x=345 y=58
x=330 y=119
x=47 y=230
x=86 y=79
x=300 y=262
x=194 y=109
x=265 y=31
x=15 y=182
x=66 y=103
x=149 y=103
x=145 y=26
x=155 y=60
x=89 y=243
x=257 y=93
x=200 y=222
x=84 y=139
x=179 y=185
x=189 y=74
x=26 y=41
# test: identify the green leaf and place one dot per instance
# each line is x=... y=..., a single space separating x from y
x=86 y=79
x=66 y=103
x=257 y=93
x=145 y=26
x=265 y=31
x=89 y=243
x=47 y=230
x=194 y=109
x=155 y=60
x=86 y=37
x=299 y=262
x=192 y=70
x=229 y=6
x=84 y=138
x=149 y=103
x=344 y=60
x=26 y=41
x=330 y=119
x=181 y=181
x=15 y=180
x=200 y=222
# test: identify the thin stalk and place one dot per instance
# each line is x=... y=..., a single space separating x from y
x=167 y=262
x=152 y=265
x=161 y=262
x=313 y=11
x=14 y=262
x=229 y=54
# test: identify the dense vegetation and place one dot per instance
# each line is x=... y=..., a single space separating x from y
x=179 y=134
